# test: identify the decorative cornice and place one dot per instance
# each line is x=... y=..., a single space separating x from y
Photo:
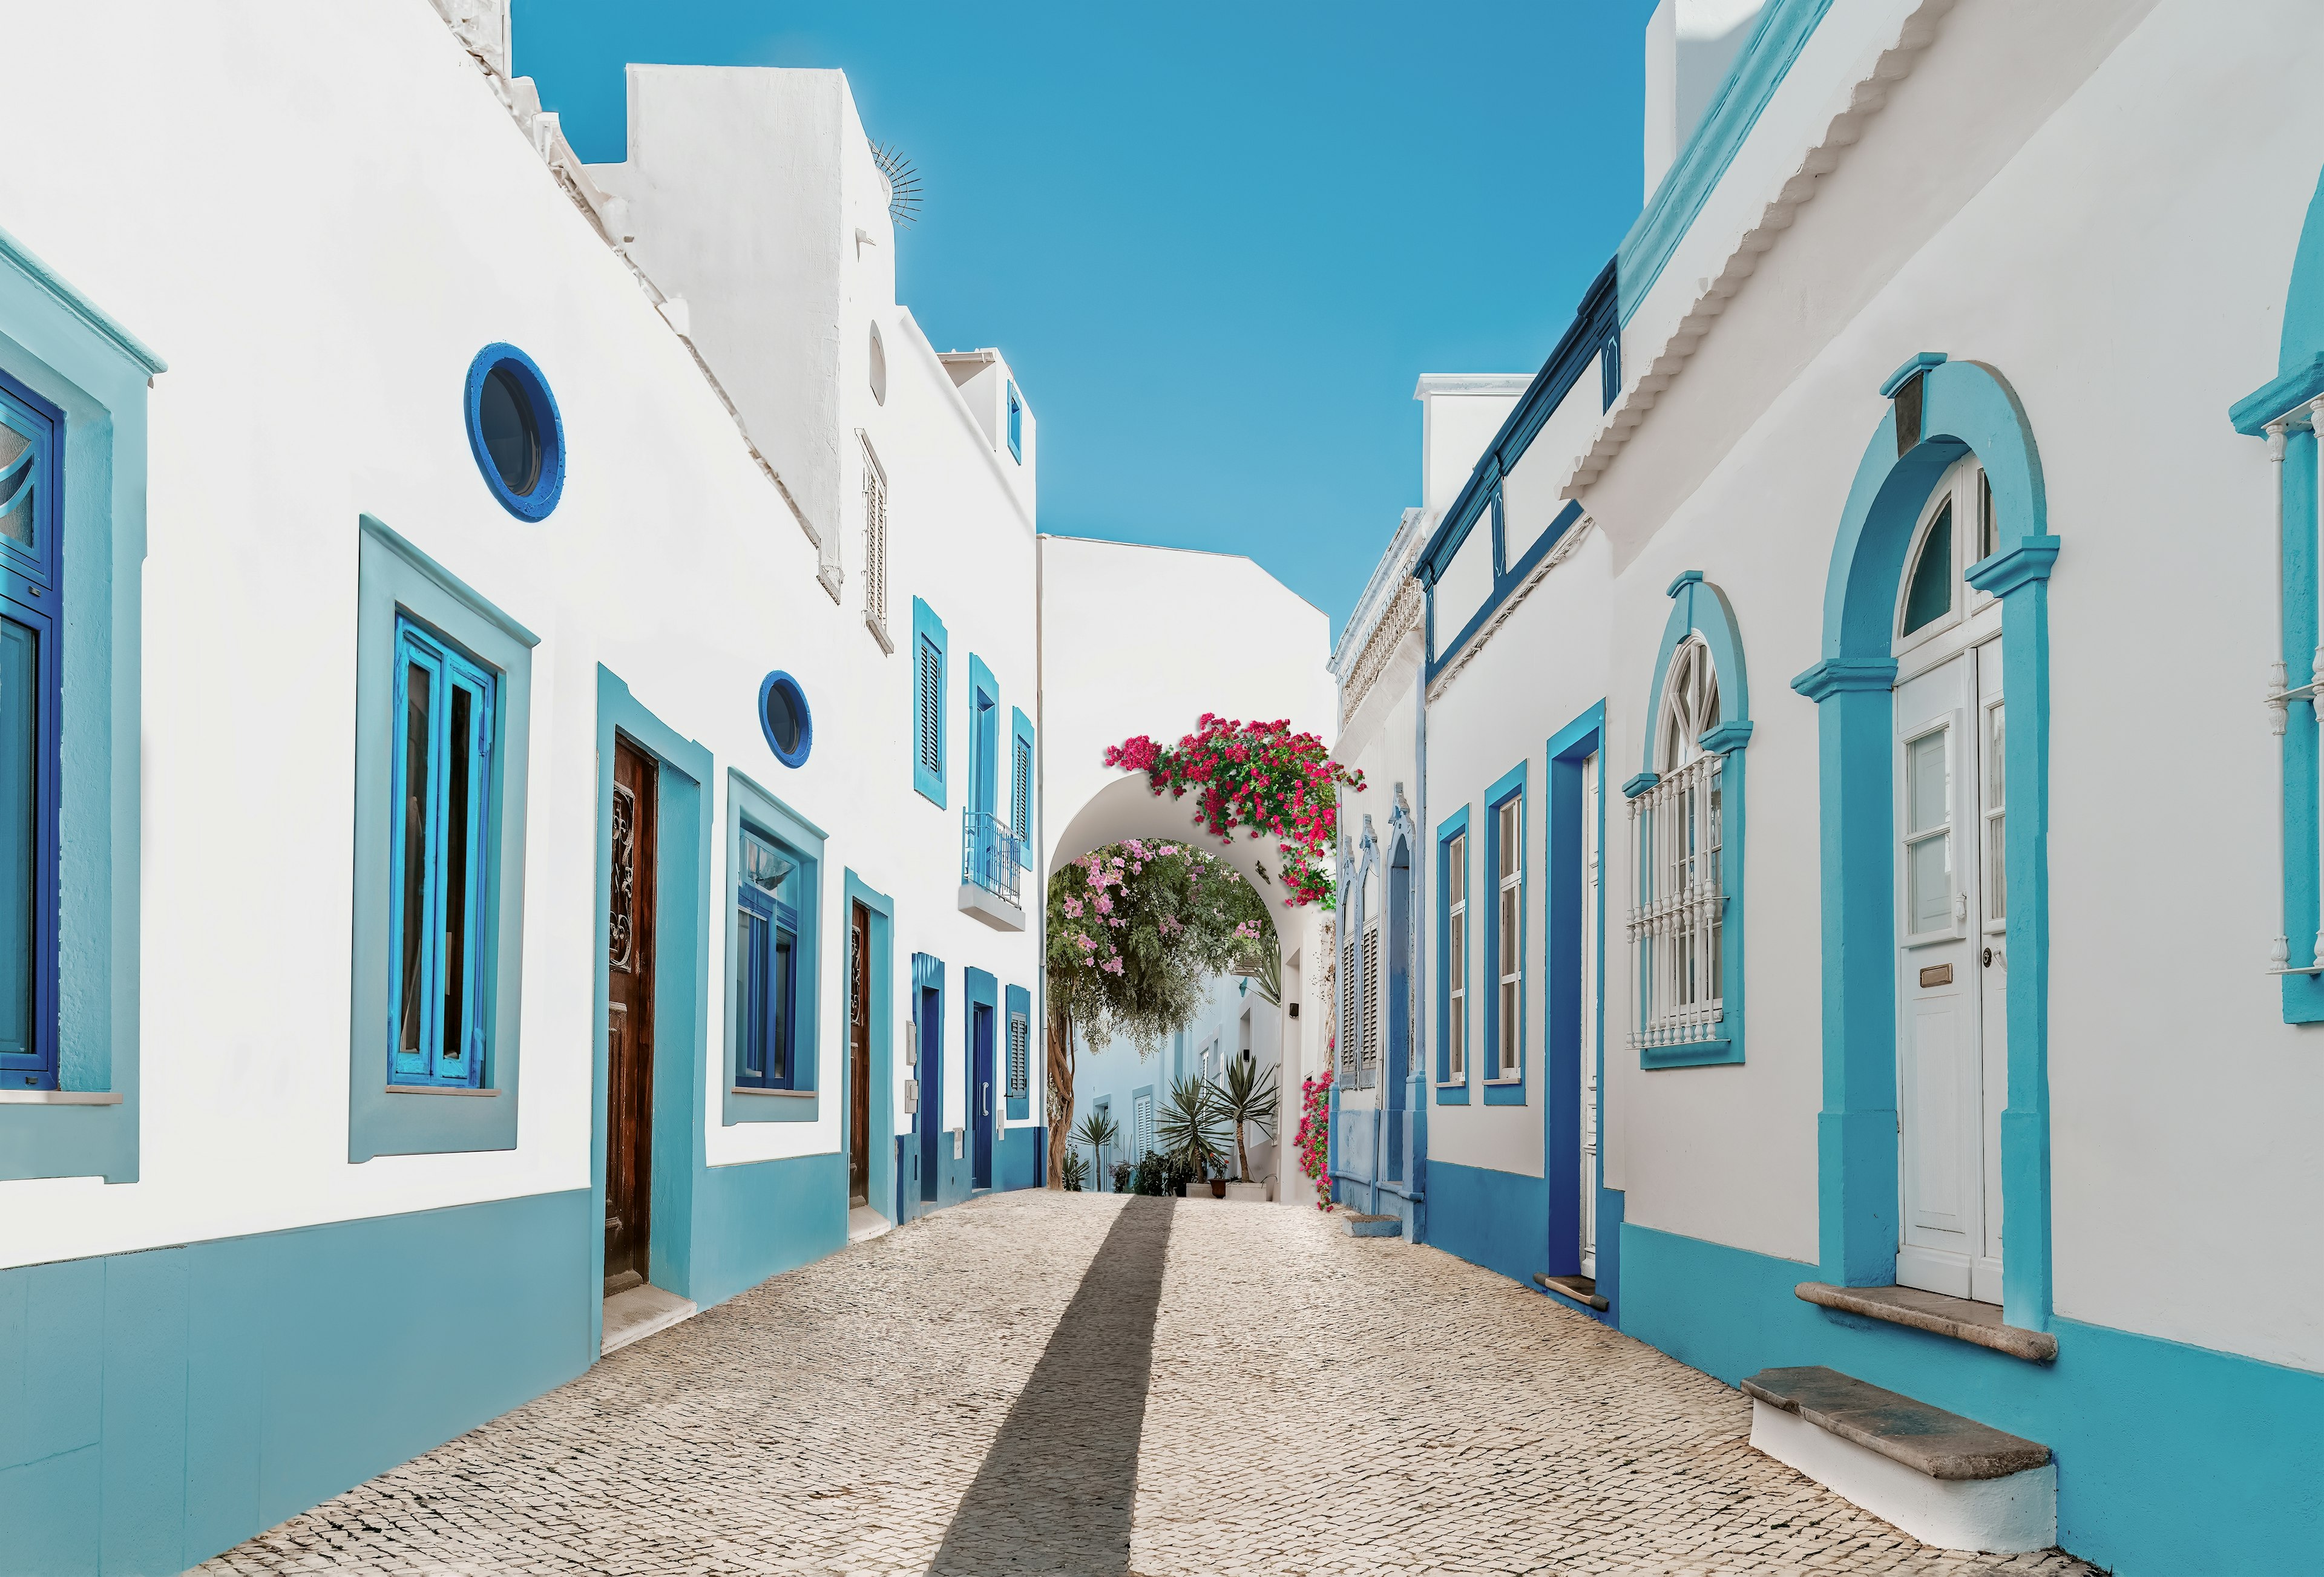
x=1836 y=674
x=1401 y=618
x=1864 y=99
x=1727 y=737
x=1637 y=783
x=2280 y=397
x=27 y=264
x=2023 y=565
x=1558 y=553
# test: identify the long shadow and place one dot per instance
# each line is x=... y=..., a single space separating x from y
x=1055 y=1492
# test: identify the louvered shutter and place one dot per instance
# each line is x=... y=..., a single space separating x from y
x=931 y=716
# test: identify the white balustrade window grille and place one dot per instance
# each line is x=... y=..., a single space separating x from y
x=875 y=540
x=1456 y=964
x=1678 y=926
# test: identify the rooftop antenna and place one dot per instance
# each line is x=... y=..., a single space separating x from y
x=903 y=182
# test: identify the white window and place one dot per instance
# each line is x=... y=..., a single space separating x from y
x=875 y=541
x=1679 y=925
x=1456 y=964
x=1141 y=1126
x=1509 y=936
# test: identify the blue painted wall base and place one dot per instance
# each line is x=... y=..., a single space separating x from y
x=2172 y=1460
x=1499 y=1220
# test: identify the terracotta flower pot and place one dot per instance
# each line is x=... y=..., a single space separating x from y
x=1218 y=1188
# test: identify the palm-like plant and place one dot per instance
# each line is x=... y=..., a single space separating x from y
x=1097 y=1131
x=1188 y=1127
x=1076 y=1172
x=1246 y=1096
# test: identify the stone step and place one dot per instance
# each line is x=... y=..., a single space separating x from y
x=1948 y=1481
x=1582 y=1289
x=1372 y=1226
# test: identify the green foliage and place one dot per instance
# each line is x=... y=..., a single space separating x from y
x=1189 y=1129
x=1245 y=1097
x=1162 y=1174
x=1136 y=929
x=1097 y=1131
x=1077 y=1172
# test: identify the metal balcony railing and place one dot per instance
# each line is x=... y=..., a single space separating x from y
x=989 y=855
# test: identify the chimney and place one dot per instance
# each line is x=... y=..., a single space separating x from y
x=1690 y=45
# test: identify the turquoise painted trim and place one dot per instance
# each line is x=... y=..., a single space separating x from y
x=1967 y=408
x=1698 y=607
x=394 y=576
x=1565 y=1045
x=983 y=770
x=750 y=801
x=979 y=988
x=1497 y=1091
x=1016 y=1000
x=879 y=1187
x=681 y=876
x=1020 y=731
x=159 y=1407
x=1499 y=1220
x=2301 y=997
x=2301 y=343
x=2228 y=1488
x=1760 y=66
x=90 y=317
x=1915 y=365
x=2280 y=396
x=59 y=346
x=1449 y=1094
x=926 y=627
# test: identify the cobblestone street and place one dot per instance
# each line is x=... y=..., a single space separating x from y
x=1038 y=1383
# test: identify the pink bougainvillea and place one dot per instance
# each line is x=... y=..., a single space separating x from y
x=1256 y=775
x=1314 y=1141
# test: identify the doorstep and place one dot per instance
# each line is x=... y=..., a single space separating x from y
x=1582 y=1289
x=1948 y=1481
x=1979 y=1324
x=637 y=1313
x=1373 y=1226
x=865 y=1223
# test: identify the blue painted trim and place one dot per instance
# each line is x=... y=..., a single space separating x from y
x=550 y=486
x=1018 y=1001
x=767 y=688
x=1020 y=731
x=1449 y=1094
x=1760 y=66
x=749 y=801
x=2229 y=1488
x=880 y=1188
x=682 y=884
x=1594 y=329
x=394 y=579
x=71 y=359
x=1499 y=1091
x=928 y=1122
x=1912 y=368
x=927 y=629
x=979 y=988
x=100 y=326
x=1015 y=424
x=1504 y=584
x=2280 y=396
x=1967 y=408
x=1699 y=607
x=1565 y=1045
x=32 y=586
x=1499 y=1220
x=984 y=738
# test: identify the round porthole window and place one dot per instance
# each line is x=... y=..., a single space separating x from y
x=515 y=432
x=879 y=368
x=784 y=716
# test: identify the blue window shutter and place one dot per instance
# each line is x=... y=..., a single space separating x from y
x=1020 y=799
x=928 y=702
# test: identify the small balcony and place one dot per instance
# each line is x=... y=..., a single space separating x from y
x=991 y=859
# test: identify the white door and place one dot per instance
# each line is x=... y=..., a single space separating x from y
x=1589 y=1040
x=1948 y=1088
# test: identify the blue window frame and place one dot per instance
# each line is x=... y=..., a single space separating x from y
x=984 y=738
x=1455 y=929
x=442 y=889
x=1016 y=426
x=785 y=718
x=1504 y=903
x=928 y=702
x=515 y=431
x=767 y=1050
x=1020 y=799
x=31 y=517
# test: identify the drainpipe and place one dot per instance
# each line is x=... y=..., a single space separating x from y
x=1419 y=1072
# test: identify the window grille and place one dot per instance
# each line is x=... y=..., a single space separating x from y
x=875 y=539
x=1678 y=927
x=1456 y=962
x=1020 y=1066
x=930 y=685
x=1510 y=936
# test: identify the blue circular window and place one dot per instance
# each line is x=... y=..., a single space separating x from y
x=515 y=432
x=789 y=726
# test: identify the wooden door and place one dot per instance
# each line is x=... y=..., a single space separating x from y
x=859 y=1055
x=629 y=1018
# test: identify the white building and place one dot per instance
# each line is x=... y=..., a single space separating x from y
x=1961 y=353
x=1236 y=1023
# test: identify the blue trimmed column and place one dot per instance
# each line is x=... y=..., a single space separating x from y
x=1856 y=1131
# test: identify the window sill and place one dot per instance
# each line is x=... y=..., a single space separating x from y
x=880 y=634
x=437 y=1089
x=1695 y=1053
x=1979 y=1324
x=1514 y=1080
x=784 y=1095
x=59 y=1098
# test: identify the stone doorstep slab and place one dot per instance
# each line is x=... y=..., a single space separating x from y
x=1582 y=1289
x=640 y=1312
x=1929 y=1439
x=1978 y=1324
x=1373 y=1226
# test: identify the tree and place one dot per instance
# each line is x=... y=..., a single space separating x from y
x=1245 y=1097
x=1097 y=1131
x=1188 y=1128
x=1136 y=929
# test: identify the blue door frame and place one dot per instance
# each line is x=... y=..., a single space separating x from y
x=930 y=1118
x=980 y=1112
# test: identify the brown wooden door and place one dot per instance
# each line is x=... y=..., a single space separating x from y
x=859 y=1055
x=629 y=1018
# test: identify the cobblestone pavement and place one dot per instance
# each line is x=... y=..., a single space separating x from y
x=1037 y=1383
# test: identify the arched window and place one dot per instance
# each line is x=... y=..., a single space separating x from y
x=1685 y=826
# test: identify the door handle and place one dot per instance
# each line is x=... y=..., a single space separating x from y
x=1960 y=905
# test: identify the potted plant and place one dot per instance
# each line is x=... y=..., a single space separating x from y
x=1076 y=1172
x=1188 y=1128
x=1245 y=1097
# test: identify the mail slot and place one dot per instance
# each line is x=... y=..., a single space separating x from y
x=1937 y=974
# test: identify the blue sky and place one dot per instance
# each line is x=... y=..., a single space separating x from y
x=1217 y=243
